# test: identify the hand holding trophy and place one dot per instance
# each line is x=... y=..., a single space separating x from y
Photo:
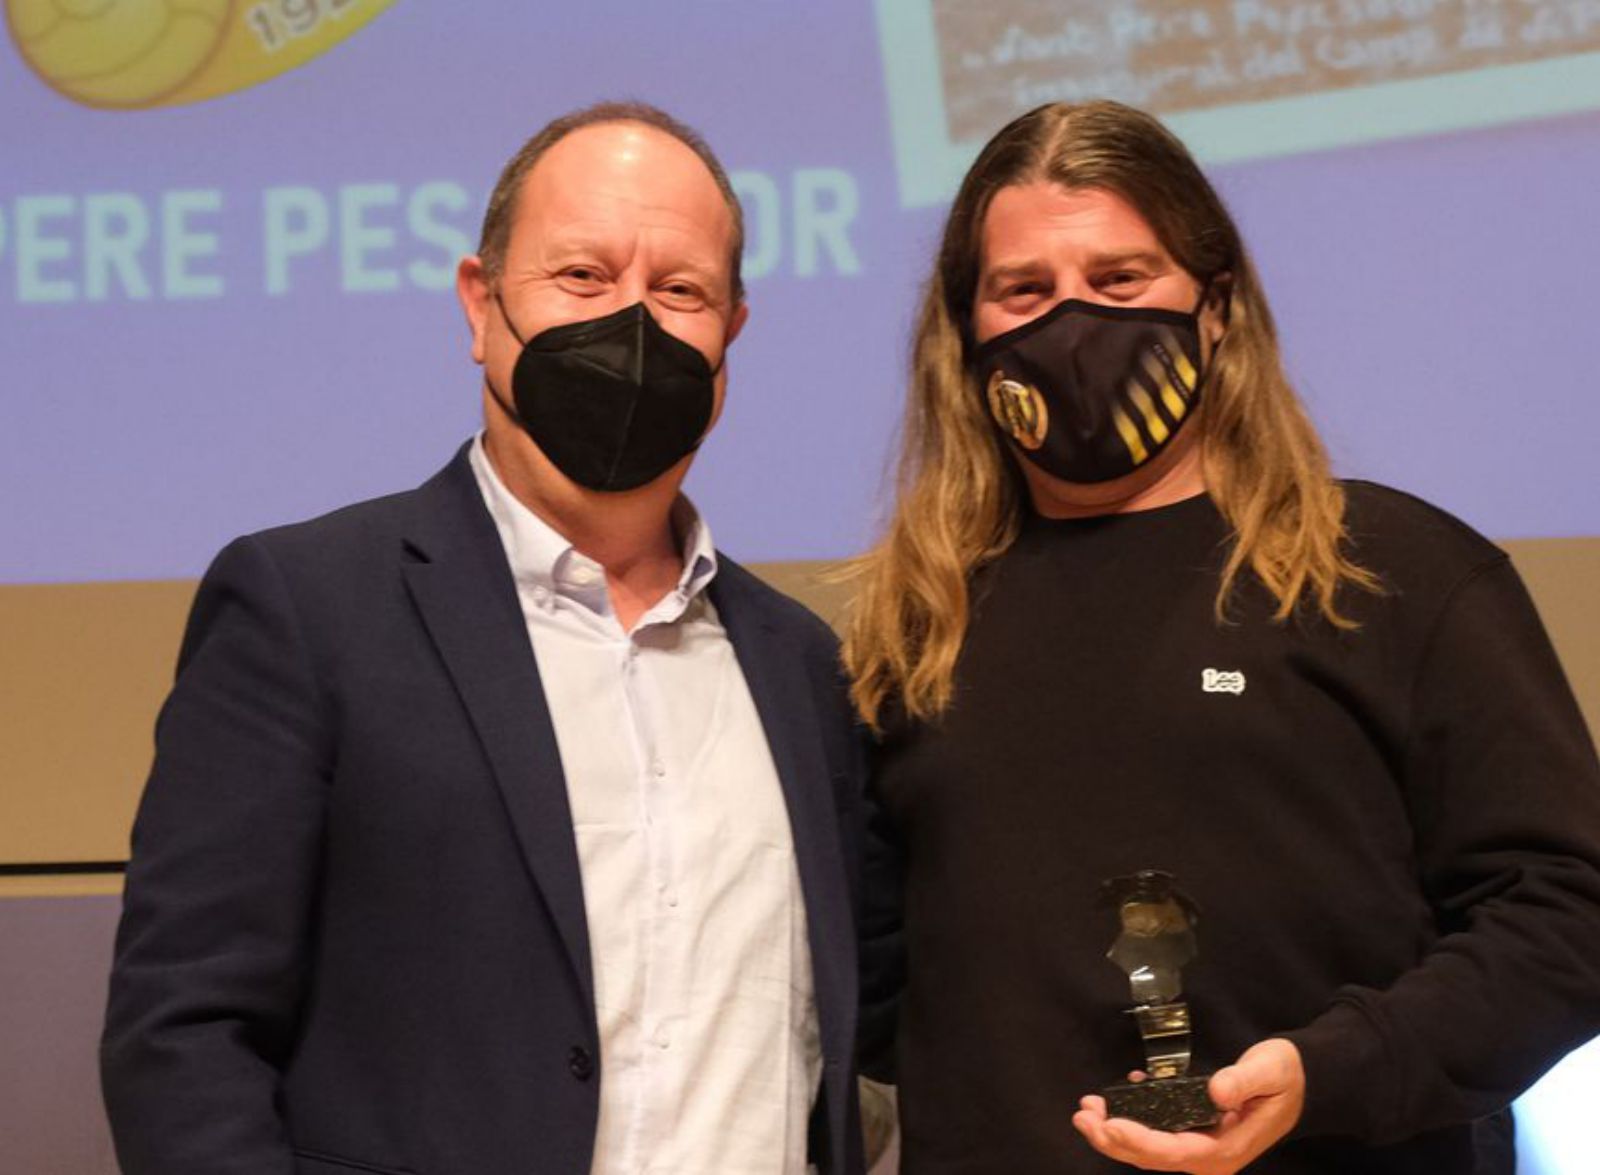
x=1156 y=940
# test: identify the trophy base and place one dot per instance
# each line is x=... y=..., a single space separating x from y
x=1164 y=1103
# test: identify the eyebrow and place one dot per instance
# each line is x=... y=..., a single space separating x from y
x=1011 y=271
x=1128 y=257
x=562 y=248
x=568 y=248
x=1004 y=273
x=708 y=274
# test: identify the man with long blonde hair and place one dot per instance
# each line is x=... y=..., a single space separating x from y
x=1123 y=617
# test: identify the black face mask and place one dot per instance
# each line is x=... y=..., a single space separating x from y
x=614 y=402
x=1090 y=393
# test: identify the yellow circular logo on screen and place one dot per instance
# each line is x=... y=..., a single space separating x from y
x=1019 y=409
x=137 y=54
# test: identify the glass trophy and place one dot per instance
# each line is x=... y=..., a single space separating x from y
x=1156 y=940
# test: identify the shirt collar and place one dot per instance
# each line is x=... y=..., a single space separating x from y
x=543 y=560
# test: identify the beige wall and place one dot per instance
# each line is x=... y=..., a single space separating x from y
x=86 y=667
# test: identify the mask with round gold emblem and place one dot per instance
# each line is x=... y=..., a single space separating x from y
x=1019 y=410
x=1090 y=393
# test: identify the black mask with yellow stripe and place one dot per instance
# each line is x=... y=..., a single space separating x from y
x=1090 y=393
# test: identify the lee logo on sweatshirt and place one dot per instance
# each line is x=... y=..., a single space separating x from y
x=1222 y=681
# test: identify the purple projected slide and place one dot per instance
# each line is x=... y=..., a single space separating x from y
x=224 y=313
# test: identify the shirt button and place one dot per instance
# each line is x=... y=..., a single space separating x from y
x=579 y=1063
x=672 y=899
x=662 y=1038
x=658 y=769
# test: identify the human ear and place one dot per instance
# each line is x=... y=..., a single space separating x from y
x=472 y=291
x=1215 y=307
x=736 y=322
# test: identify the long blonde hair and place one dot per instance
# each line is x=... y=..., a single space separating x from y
x=959 y=497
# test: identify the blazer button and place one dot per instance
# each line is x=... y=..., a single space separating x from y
x=580 y=1063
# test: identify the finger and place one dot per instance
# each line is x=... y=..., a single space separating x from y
x=1139 y=1138
x=1094 y=1103
x=1242 y=1137
x=1093 y=1128
x=1154 y=1150
x=1225 y=1089
x=1262 y=1071
x=1105 y=1139
x=1237 y=1084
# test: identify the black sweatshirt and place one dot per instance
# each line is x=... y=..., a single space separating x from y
x=1393 y=834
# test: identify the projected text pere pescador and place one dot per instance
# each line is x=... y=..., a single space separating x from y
x=357 y=238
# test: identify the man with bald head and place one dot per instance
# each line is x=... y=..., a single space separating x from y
x=506 y=826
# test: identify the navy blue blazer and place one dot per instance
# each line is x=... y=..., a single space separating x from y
x=353 y=935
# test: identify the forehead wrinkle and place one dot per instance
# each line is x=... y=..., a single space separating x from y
x=562 y=243
x=1039 y=253
x=1127 y=256
x=1041 y=208
x=626 y=194
x=1016 y=268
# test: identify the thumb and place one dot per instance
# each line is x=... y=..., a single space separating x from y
x=1262 y=1071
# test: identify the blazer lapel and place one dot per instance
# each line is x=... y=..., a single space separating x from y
x=462 y=586
x=773 y=664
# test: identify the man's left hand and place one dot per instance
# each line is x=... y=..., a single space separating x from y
x=1260 y=1096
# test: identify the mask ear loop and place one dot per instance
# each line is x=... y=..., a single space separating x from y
x=1220 y=284
x=515 y=333
x=1207 y=288
x=494 y=392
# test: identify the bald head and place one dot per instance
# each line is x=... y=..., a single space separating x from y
x=510 y=189
x=616 y=192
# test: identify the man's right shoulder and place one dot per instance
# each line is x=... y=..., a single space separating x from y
x=360 y=532
x=346 y=531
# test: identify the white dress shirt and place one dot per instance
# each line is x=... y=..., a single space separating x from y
x=709 y=1053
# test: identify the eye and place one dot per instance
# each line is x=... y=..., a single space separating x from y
x=681 y=295
x=1023 y=293
x=1126 y=283
x=582 y=278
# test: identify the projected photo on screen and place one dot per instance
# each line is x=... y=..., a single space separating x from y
x=1236 y=80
